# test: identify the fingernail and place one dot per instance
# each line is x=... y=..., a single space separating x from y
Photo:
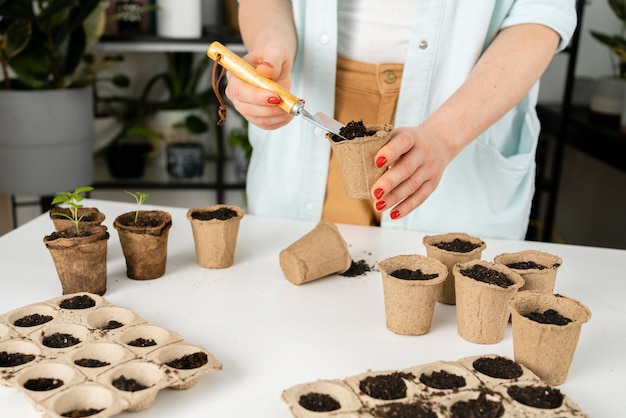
x=273 y=100
x=380 y=205
x=381 y=161
x=378 y=193
x=395 y=214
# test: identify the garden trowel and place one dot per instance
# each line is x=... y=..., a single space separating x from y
x=288 y=102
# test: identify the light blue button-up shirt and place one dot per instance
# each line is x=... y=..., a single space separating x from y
x=485 y=191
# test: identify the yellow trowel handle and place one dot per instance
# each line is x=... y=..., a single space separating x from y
x=246 y=72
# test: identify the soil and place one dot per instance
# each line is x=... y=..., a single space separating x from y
x=222 y=214
x=526 y=265
x=78 y=302
x=357 y=268
x=353 y=129
x=112 y=324
x=443 y=380
x=81 y=413
x=498 y=367
x=32 y=320
x=142 y=342
x=480 y=407
x=406 y=274
x=544 y=397
x=487 y=275
x=387 y=387
x=14 y=359
x=146 y=219
x=68 y=233
x=90 y=363
x=43 y=384
x=128 y=385
x=88 y=217
x=549 y=316
x=189 y=361
x=402 y=410
x=60 y=340
x=457 y=246
x=318 y=402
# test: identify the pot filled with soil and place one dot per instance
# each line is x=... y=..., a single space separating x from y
x=536 y=267
x=411 y=286
x=215 y=230
x=80 y=258
x=319 y=253
x=546 y=328
x=450 y=249
x=483 y=290
x=61 y=217
x=143 y=236
x=355 y=156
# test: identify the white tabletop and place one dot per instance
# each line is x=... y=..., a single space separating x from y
x=270 y=334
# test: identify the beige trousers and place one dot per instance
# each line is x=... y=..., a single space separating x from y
x=365 y=92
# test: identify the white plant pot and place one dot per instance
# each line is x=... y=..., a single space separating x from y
x=179 y=18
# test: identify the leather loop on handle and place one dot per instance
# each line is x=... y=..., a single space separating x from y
x=246 y=72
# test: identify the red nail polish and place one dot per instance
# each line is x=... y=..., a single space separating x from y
x=381 y=161
x=273 y=100
x=395 y=214
x=380 y=205
x=378 y=193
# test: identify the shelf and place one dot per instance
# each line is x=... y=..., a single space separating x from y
x=153 y=43
x=602 y=142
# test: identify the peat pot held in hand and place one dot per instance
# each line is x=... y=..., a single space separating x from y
x=80 y=259
x=546 y=328
x=215 y=229
x=355 y=157
x=144 y=242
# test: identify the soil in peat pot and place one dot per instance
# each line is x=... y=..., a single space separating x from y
x=544 y=397
x=407 y=274
x=81 y=413
x=142 y=342
x=189 y=361
x=443 y=380
x=549 y=316
x=43 y=384
x=353 y=129
x=32 y=320
x=487 y=275
x=498 y=367
x=222 y=214
x=387 y=387
x=90 y=363
x=480 y=407
x=318 y=402
x=457 y=246
x=60 y=340
x=404 y=410
x=14 y=359
x=128 y=385
x=78 y=302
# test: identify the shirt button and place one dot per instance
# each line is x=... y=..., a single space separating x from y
x=423 y=45
x=389 y=76
x=324 y=39
x=309 y=206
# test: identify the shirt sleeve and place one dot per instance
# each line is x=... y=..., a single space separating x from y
x=560 y=15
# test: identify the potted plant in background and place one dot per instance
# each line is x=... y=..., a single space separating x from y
x=46 y=102
x=79 y=251
x=607 y=101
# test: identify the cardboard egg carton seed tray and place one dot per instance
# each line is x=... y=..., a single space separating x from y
x=488 y=386
x=79 y=355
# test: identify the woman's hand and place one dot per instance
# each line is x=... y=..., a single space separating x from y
x=260 y=106
x=417 y=160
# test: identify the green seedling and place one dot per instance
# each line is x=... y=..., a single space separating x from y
x=72 y=201
x=140 y=197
